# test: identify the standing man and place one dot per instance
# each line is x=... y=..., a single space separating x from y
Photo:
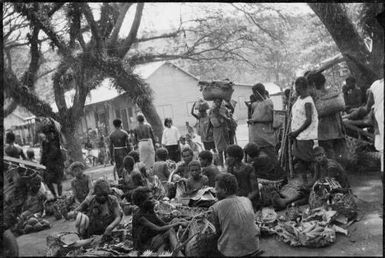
x=330 y=132
x=119 y=146
x=261 y=130
x=352 y=94
x=144 y=138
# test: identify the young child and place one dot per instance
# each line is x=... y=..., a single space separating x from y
x=196 y=181
x=244 y=173
x=148 y=230
x=131 y=177
x=192 y=145
x=81 y=185
x=160 y=168
x=31 y=155
x=208 y=168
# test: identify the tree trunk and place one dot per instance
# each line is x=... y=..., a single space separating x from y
x=153 y=118
x=342 y=30
x=73 y=146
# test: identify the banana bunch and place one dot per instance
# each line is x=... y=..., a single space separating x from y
x=82 y=222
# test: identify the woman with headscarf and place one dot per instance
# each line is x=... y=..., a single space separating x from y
x=101 y=209
x=261 y=130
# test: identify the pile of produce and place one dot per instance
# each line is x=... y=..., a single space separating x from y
x=33 y=224
x=216 y=89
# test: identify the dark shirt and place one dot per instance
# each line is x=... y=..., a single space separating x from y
x=141 y=234
x=267 y=168
x=247 y=180
x=353 y=97
x=14 y=152
x=51 y=154
x=211 y=172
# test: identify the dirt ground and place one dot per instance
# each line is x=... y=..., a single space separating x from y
x=365 y=236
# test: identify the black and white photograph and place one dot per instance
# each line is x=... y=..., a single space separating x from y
x=193 y=129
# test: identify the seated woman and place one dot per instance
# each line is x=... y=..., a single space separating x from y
x=35 y=199
x=132 y=178
x=265 y=166
x=102 y=211
x=148 y=230
x=81 y=185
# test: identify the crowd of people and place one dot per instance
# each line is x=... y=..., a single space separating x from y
x=148 y=170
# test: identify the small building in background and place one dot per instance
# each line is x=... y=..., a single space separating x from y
x=22 y=123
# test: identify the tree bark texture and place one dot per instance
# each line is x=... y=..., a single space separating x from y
x=347 y=39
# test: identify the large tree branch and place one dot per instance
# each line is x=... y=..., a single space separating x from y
x=28 y=78
x=115 y=31
x=25 y=97
x=94 y=27
x=127 y=43
x=44 y=24
x=161 y=36
x=58 y=88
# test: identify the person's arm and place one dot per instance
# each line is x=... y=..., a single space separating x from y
x=309 y=111
x=118 y=218
x=90 y=187
x=192 y=111
x=157 y=228
x=166 y=173
x=74 y=192
x=22 y=154
x=253 y=183
x=163 y=138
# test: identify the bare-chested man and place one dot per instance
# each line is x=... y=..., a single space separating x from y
x=119 y=146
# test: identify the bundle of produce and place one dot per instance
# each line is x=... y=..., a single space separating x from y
x=216 y=89
x=59 y=243
x=32 y=224
x=266 y=218
x=202 y=238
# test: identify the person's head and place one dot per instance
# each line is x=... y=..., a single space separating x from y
x=195 y=169
x=259 y=91
x=10 y=138
x=234 y=155
x=217 y=102
x=102 y=138
x=319 y=155
x=301 y=86
x=187 y=123
x=143 y=198
x=161 y=154
x=350 y=82
x=101 y=191
x=252 y=98
x=252 y=150
x=30 y=154
x=117 y=123
x=168 y=122
x=128 y=163
x=182 y=139
x=187 y=155
x=140 y=118
x=316 y=80
x=35 y=184
x=77 y=168
x=205 y=158
x=135 y=155
x=225 y=185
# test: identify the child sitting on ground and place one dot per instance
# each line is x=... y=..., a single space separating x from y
x=244 y=173
x=148 y=230
x=35 y=199
x=131 y=178
x=160 y=168
x=196 y=181
x=81 y=185
x=31 y=156
x=208 y=168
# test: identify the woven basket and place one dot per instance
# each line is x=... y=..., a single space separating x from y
x=204 y=243
x=330 y=104
x=217 y=90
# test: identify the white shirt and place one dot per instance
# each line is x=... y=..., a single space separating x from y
x=170 y=136
x=298 y=115
x=377 y=88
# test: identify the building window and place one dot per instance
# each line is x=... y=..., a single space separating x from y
x=189 y=107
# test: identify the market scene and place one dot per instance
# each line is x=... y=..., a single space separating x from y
x=192 y=129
